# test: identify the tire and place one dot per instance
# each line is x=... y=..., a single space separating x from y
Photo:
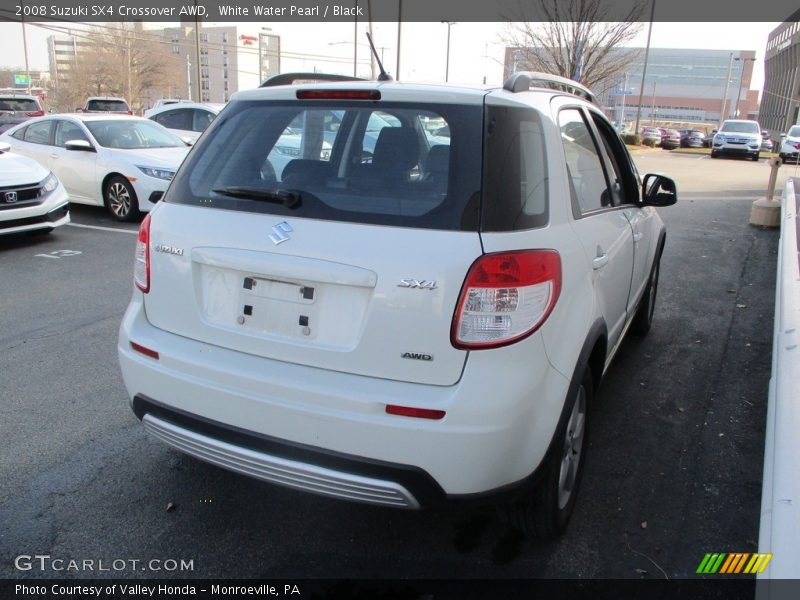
x=714 y=154
x=643 y=318
x=756 y=156
x=120 y=199
x=544 y=511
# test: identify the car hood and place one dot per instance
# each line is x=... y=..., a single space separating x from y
x=18 y=170
x=170 y=158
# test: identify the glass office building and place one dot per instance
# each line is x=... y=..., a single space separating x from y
x=780 y=101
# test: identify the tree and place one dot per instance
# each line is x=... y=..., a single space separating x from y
x=574 y=41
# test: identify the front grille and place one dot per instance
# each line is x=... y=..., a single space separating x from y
x=17 y=196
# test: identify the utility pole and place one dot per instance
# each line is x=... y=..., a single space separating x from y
x=644 y=69
x=447 y=62
x=399 y=26
x=722 y=115
x=197 y=51
x=624 y=92
x=355 y=39
x=25 y=49
x=652 y=108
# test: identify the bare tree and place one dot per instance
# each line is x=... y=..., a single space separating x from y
x=573 y=40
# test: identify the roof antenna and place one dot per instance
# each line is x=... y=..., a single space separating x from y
x=384 y=76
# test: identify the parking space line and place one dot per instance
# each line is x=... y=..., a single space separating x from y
x=116 y=229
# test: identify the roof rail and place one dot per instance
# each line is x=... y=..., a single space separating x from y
x=521 y=82
x=290 y=78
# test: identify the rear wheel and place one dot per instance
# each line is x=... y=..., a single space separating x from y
x=756 y=156
x=643 y=318
x=120 y=199
x=544 y=511
x=714 y=154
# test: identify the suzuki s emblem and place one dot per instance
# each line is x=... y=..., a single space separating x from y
x=279 y=232
x=11 y=197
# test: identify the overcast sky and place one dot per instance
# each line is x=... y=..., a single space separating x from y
x=476 y=50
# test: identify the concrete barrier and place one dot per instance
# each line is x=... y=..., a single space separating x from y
x=780 y=499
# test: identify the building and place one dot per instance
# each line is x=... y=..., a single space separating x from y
x=681 y=86
x=780 y=101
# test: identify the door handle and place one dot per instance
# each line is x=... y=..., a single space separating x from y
x=637 y=236
x=601 y=260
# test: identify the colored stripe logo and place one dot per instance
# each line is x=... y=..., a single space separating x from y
x=734 y=563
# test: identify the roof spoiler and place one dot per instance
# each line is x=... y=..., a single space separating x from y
x=291 y=78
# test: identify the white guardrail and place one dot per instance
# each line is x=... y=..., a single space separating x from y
x=780 y=496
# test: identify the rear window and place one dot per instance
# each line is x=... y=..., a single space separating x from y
x=365 y=162
x=794 y=132
x=19 y=104
x=107 y=105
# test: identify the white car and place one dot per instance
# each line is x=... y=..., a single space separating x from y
x=121 y=162
x=790 y=145
x=737 y=137
x=402 y=326
x=31 y=197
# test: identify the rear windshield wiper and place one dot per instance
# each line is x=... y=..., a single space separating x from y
x=289 y=199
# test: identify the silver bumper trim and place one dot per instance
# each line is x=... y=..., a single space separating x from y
x=288 y=473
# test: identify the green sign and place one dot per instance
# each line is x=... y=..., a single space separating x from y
x=22 y=79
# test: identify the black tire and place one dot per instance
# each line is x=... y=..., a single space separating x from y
x=544 y=511
x=643 y=318
x=120 y=199
x=756 y=156
x=714 y=154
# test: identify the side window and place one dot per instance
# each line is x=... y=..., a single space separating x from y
x=176 y=119
x=39 y=133
x=624 y=178
x=583 y=162
x=66 y=131
x=19 y=133
x=202 y=119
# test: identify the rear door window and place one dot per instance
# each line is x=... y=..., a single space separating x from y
x=179 y=118
x=67 y=131
x=362 y=162
x=39 y=132
x=584 y=164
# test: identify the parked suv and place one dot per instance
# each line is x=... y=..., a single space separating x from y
x=17 y=108
x=422 y=322
x=790 y=145
x=737 y=137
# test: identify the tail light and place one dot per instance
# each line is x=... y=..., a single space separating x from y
x=36 y=113
x=506 y=297
x=141 y=266
x=130 y=112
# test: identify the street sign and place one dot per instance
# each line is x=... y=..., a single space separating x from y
x=22 y=79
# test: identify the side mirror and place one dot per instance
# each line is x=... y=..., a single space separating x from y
x=79 y=145
x=659 y=190
x=187 y=140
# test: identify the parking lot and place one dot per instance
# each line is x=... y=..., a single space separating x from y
x=674 y=462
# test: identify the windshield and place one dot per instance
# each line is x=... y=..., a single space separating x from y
x=132 y=135
x=794 y=131
x=740 y=127
x=376 y=163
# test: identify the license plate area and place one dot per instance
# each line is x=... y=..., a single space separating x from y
x=278 y=307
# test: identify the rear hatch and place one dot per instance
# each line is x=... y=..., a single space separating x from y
x=14 y=111
x=345 y=251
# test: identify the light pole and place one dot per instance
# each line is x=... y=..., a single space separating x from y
x=447 y=63
x=725 y=94
x=644 y=69
x=741 y=80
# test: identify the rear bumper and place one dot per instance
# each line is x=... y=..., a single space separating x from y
x=251 y=415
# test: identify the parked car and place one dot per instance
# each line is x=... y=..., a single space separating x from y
x=652 y=133
x=16 y=108
x=352 y=356
x=691 y=138
x=708 y=141
x=185 y=119
x=790 y=146
x=738 y=138
x=122 y=162
x=32 y=199
x=104 y=104
x=670 y=139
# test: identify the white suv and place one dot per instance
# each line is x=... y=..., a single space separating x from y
x=737 y=137
x=410 y=318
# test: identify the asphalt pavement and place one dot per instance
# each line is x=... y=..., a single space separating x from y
x=674 y=457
